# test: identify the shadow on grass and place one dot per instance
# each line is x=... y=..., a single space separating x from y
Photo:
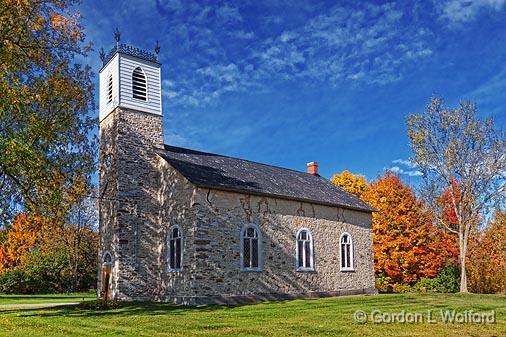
x=343 y=304
x=92 y=309
x=88 y=309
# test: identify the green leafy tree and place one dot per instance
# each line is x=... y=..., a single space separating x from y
x=45 y=103
x=463 y=159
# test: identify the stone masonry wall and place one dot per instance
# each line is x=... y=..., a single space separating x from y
x=130 y=206
x=142 y=197
x=212 y=220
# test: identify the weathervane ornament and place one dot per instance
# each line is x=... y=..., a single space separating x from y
x=102 y=55
x=117 y=35
x=157 y=49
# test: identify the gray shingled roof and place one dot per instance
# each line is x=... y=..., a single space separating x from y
x=232 y=174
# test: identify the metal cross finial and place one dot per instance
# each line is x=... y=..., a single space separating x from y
x=102 y=55
x=117 y=35
x=157 y=47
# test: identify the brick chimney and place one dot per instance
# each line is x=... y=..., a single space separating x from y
x=312 y=168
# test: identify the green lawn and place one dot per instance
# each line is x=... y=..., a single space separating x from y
x=315 y=317
x=57 y=298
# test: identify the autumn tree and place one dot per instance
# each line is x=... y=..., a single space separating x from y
x=79 y=240
x=407 y=247
x=487 y=257
x=464 y=157
x=21 y=237
x=64 y=253
x=352 y=183
x=45 y=101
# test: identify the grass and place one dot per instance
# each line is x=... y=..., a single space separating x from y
x=53 y=298
x=312 y=317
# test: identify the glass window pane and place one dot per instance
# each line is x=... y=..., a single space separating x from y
x=308 y=254
x=246 y=253
x=254 y=253
x=343 y=256
x=300 y=253
x=178 y=253
x=175 y=232
x=348 y=256
x=172 y=258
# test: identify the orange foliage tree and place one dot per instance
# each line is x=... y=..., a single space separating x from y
x=407 y=246
x=355 y=184
x=22 y=236
x=487 y=257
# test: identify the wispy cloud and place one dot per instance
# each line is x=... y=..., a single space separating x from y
x=361 y=45
x=408 y=168
x=398 y=170
x=457 y=12
x=405 y=162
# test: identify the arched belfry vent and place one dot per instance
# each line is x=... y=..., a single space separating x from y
x=139 y=84
x=109 y=89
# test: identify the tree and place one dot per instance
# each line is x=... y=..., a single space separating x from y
x=22 y=236
x=464 y=157
x=407 y=247
x=487 y=257
x=80 y=242
x=45 y=100
x=352 y=183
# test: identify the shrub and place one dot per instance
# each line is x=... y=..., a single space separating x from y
x=42 y=274
x=447 y=281
x=15 y=281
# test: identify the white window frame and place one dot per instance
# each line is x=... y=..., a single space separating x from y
x=311 y=251
x=260 y=248
x=132 y=84
x=351 y=267
x=169 y=237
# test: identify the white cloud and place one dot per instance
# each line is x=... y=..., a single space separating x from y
x=398 y=170
x=405 y=162
x=458 y=12
x=228 y=14
x=366 y=45
x=409 y=170
x=363 y=44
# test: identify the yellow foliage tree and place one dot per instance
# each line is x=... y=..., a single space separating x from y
x=487 y=257
x=355 y=184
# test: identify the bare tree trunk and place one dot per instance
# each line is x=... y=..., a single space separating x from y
x=463 y=252
x=463 y=276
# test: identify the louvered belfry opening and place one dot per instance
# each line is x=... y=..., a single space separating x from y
x=109 y=89
x=139 y=84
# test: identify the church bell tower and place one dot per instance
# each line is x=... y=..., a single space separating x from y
x=130 y=135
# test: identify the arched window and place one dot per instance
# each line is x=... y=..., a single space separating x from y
x=251 y=248
x=346 y=252
x=139 y=84
x=109 y=89
x=107 y=258
x=305 y=260
x=175 y=251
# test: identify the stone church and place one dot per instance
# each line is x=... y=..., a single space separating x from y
x=185 y=226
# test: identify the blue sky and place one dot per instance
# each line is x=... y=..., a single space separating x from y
x=288 y=82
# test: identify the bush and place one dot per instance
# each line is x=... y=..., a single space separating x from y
x=15 y=281
x=41 y=275
x=447 y=281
